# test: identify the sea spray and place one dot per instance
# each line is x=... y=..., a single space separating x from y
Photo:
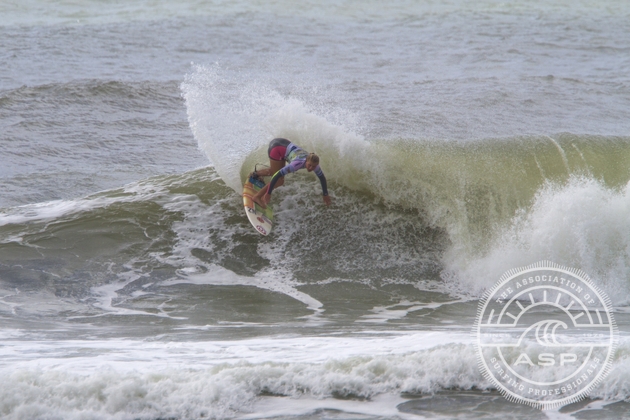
x=582 y=223
x=233 y=117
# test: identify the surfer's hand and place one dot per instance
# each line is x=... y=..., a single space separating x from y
x=327 y=200
x=265 y=199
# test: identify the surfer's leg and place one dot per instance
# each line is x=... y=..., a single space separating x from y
x=274 y=166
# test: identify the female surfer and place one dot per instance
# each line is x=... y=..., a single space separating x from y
x=281 y=152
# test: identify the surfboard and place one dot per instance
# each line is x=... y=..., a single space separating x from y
x=261 y=219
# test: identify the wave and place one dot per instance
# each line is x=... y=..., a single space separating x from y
x=148 y=390
x=230 y=389
x=466 y=226
x=434 y=213
x=70 y=92
x=495 y=199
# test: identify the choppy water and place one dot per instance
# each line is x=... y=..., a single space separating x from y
x=459 y=140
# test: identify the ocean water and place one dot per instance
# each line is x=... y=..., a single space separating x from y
x=459 y=139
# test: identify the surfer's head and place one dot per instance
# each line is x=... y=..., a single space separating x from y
x=311 y=162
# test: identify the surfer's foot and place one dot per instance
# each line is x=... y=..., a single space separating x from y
x=259 y=202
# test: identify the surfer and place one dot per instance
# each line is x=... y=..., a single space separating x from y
x=281 y=152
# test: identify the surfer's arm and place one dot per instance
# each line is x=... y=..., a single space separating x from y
x=322 y=180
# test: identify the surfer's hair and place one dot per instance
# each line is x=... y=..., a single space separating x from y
x=313 y=158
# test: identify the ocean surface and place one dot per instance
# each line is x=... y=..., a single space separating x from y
x=459 y=139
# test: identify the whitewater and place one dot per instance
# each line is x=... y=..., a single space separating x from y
x=459 y=140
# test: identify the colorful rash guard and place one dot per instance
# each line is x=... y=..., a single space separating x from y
x=296 y=159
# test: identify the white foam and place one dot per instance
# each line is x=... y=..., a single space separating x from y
x=152 y=379
x=380 y=406
x=264 y=280
x=288 y=349
x=582 y=224
x=382 y=314
x=130 y=379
